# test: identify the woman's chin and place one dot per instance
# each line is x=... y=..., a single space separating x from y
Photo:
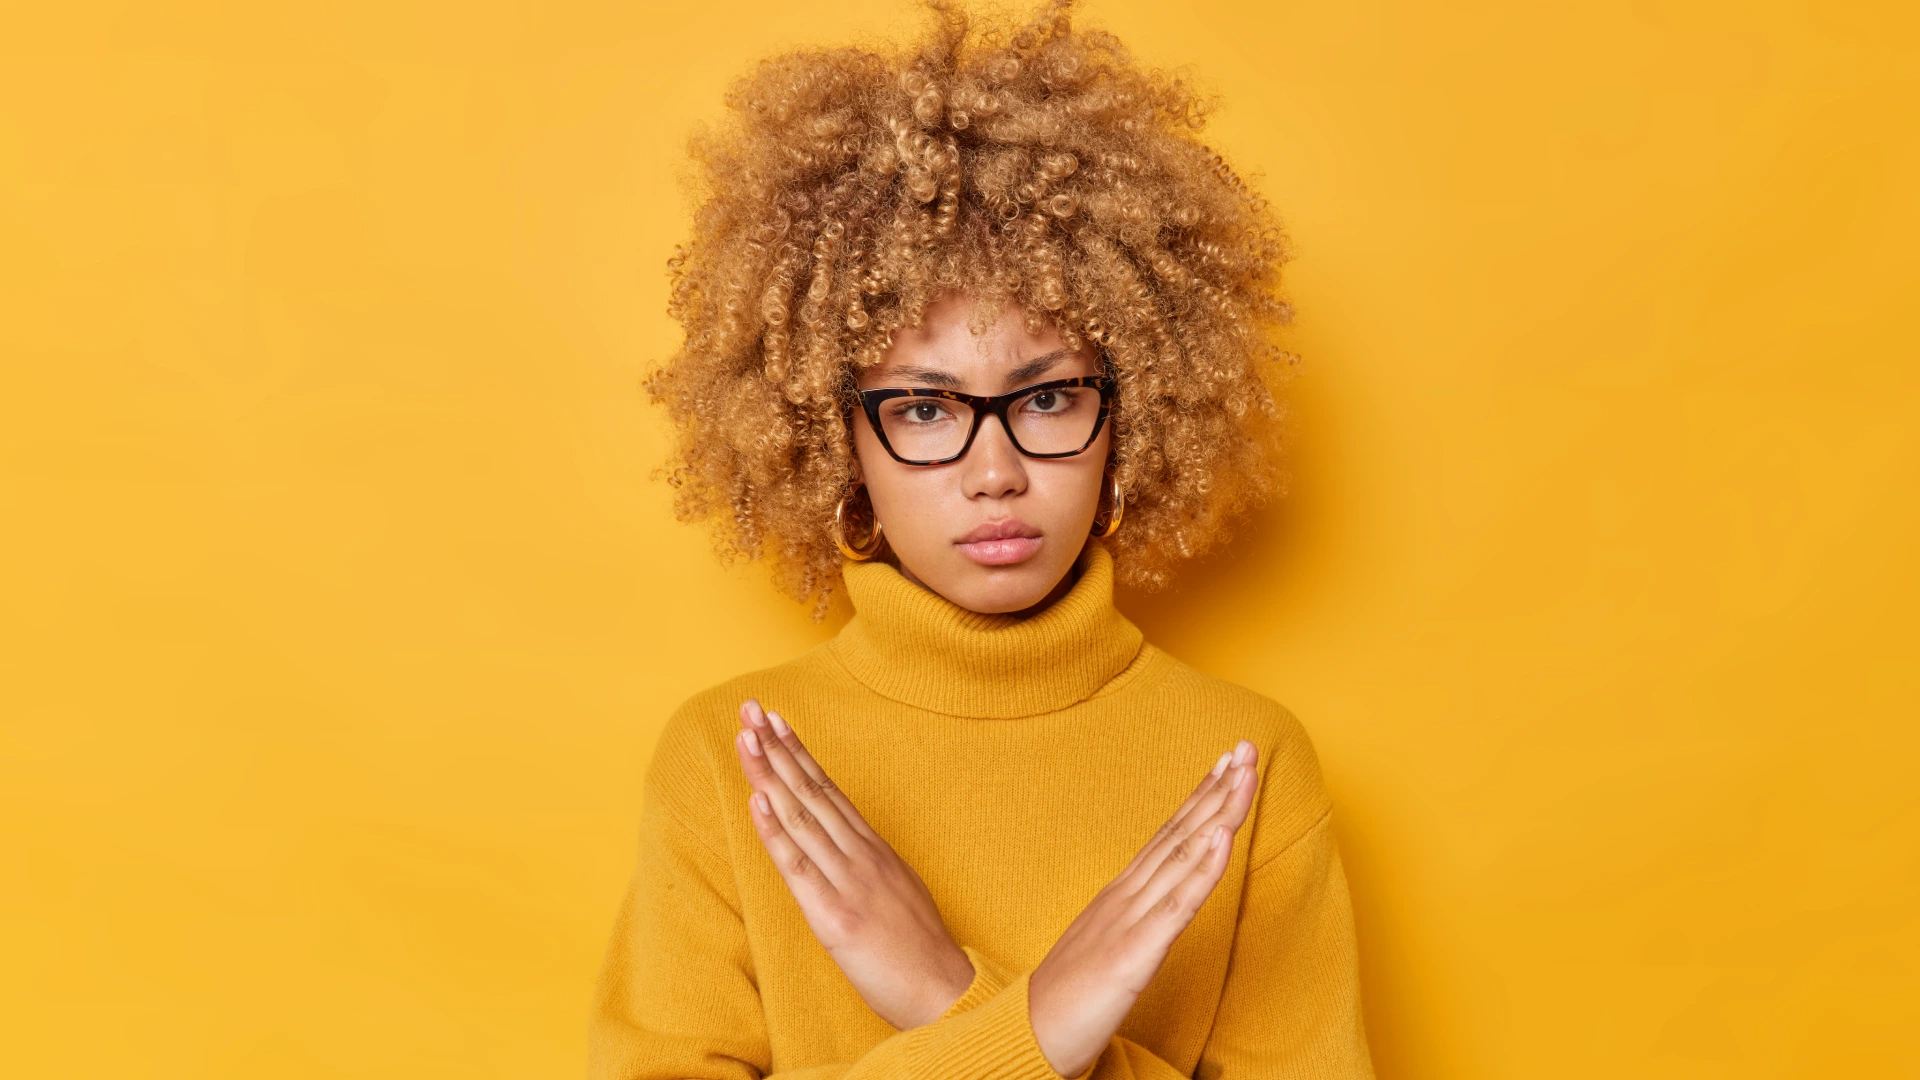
x=1000 y=589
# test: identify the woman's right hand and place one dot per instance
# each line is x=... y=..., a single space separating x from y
x=869 y=909
x=1088 y=983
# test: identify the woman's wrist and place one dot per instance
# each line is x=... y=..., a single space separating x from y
x=955 y=979
x=1063 y=1046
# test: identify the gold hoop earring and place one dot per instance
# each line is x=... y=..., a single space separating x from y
x=864 y=552
x=1113 y=517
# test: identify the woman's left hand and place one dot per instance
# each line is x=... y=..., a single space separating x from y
x=866 y=905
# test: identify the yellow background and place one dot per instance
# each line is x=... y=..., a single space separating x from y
x=340 y=611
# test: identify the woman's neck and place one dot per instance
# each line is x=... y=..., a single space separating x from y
x=913 y=645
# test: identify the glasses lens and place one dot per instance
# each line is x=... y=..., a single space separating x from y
x=1057 y=421
x=925 y=428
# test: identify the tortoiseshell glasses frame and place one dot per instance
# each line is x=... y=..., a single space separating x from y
x=983 y=406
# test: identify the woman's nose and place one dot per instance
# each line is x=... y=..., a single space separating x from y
x=993 y=469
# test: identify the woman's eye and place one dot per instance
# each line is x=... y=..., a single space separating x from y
x=921 y=412
x=1049 y=402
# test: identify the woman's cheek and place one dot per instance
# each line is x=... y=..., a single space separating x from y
x=912 y=508
x=1072 y=495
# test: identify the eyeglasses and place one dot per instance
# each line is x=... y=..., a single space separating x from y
x=924 y=426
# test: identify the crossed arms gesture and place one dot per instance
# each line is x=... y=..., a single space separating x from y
x=878 y=921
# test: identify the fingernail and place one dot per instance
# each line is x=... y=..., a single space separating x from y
x=1221 y=765
x=752 y=741
x=779 y=725
x=1219 y=834
x=760 y=803
x=1239 y=777
x=750 y=712
x=1243 y=752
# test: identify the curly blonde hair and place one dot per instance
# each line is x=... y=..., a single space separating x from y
x=1034 y=163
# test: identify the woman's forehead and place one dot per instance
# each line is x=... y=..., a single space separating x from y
x=977 y=371
x=944 y=351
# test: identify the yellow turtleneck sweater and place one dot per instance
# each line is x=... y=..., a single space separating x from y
x=1017 y=765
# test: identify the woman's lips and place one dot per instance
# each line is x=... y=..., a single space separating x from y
x=1005 y=552
x=1000 y=543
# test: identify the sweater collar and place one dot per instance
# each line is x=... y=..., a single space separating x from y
x=915 y=646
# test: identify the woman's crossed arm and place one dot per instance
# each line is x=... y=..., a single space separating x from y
x=878 y=921
x=681 y=997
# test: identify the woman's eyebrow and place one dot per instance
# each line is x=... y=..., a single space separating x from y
x=926 y=376
x=1026 y=372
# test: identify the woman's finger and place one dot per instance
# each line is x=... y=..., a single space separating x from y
x=1191 y=856
x=1184 y=858
x=797 y=868
x=770 y=725
x=1174 y=910
x=1239 y=802
x=791 y=740
x=1237 y=782
x=816 y=796
x=1207 y=783
x=798 y=819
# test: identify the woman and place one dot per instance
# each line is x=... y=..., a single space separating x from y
x=977 y=329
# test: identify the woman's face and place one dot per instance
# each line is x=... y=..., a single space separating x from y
x=995 y=531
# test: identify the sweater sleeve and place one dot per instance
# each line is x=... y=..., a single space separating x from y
x=678 y=998
x=1291 y=1004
